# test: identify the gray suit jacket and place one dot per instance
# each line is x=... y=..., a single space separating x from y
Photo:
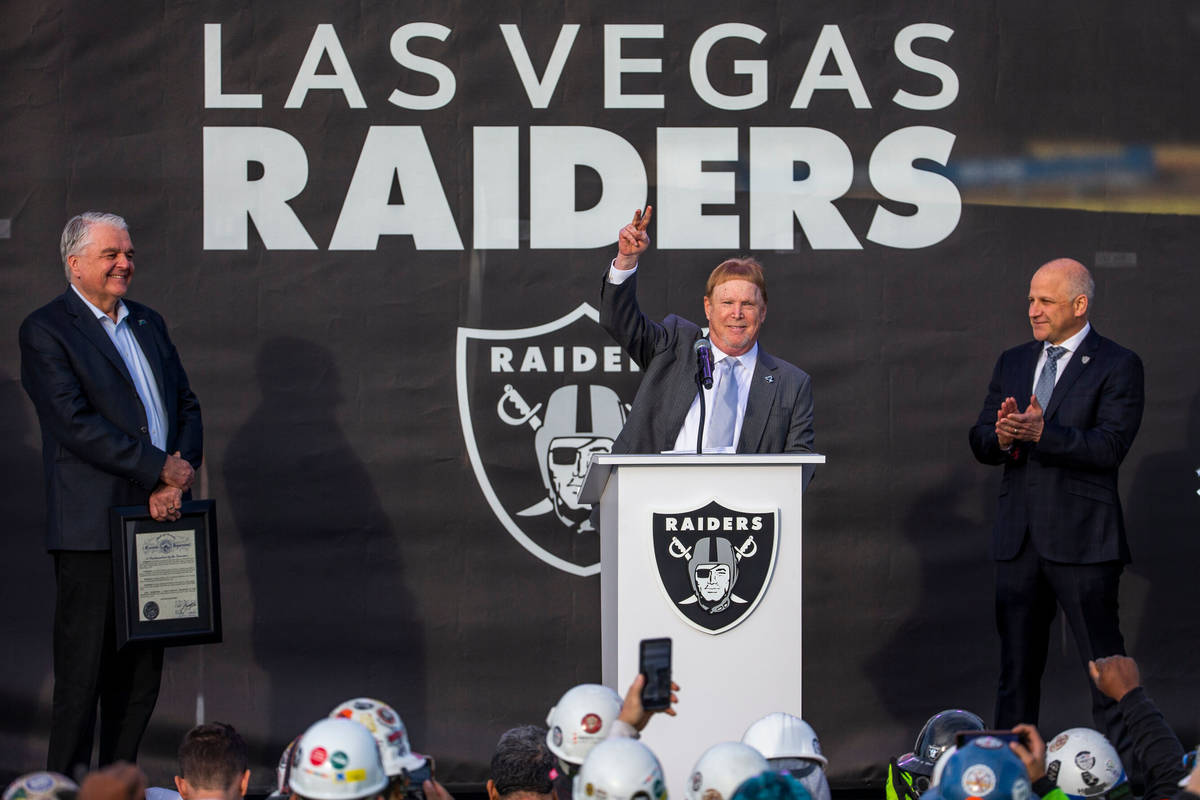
x=779 y=412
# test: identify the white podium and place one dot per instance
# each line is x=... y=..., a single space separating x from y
x=705 y=549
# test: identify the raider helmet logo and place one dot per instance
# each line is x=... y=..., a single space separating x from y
x=715 y=563
x=536 y=404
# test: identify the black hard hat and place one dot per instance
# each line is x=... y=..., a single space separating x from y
x=935 y=737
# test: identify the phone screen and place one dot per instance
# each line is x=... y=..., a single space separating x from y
x=654 y=662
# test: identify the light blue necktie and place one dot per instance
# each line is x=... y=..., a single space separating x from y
x=1045 y=383
x=725 y=403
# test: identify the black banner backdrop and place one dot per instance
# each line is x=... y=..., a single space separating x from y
x=377 y=232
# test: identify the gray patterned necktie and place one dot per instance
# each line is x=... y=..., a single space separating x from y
x=1045 y=384
x=725 y=403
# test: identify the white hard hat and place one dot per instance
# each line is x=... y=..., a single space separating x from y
x=39 y=786
x=388 y=729
x=940 y=764
x=1083 y=764
x=721 y=769
x=620 y=769
x=783 y=735
x=337 y=759
x=580 y=720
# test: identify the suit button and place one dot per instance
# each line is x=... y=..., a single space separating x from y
x=144 y=429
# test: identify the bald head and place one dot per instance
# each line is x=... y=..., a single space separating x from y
x=1077 y=276
x=1060 y=295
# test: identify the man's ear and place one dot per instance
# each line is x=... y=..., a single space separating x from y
x=244 y=783
x=182 y=787
x=491 y=790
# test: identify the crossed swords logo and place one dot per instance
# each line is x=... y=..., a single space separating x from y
x=678 y=549
x=525 y=413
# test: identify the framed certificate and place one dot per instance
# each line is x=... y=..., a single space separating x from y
x=166 y=578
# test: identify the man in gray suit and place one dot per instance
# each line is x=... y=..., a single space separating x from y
x=757 y=404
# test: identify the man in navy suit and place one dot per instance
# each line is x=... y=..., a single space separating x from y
x=120 y=426
x=1059 y=534
x=771 y=400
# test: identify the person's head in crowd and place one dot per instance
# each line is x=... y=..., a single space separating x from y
x=579 y=721
x=789 y=743
x=523 y=768
x=337 y=759
x=721 y=769
x=1085 y=765
x=42 y=786
x=984 y=767
x=772 y=786
x=212 y=763
x=935 y=737
x=406 y=770
x=620 y=769
x=120 y=781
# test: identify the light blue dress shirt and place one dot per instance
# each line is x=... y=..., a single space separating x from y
x=139 y=368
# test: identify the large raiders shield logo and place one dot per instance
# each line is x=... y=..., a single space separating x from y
x=535 y=404
x=715 y=563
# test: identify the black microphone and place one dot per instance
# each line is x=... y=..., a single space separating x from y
x=704 y=362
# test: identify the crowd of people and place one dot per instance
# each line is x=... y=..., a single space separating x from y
x=590 y=750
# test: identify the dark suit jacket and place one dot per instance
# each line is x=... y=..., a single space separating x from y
x=779 y=411
x=96 y=450
x=1063 y=489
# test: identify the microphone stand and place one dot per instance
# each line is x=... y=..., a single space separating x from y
x=700 y=431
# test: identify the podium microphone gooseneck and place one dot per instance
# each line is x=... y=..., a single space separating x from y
x=704 y=380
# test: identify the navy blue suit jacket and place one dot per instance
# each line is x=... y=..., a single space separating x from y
x=779 y=409
x=1063 y=489
x=96 y=449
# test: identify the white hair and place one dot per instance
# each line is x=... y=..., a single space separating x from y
x=77 y=233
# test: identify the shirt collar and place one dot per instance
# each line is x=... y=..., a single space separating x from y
x=1072 y=343
x=746 y=359
x=122 y=310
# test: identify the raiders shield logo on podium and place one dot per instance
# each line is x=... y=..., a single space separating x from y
x=715 y=563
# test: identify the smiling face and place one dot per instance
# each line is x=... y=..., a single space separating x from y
x=1057 y=310
x=735 y=310
x=103 y=269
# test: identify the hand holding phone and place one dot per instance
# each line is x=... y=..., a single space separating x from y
x=654 y=661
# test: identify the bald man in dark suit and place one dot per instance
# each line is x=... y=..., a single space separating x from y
x=1059 y=535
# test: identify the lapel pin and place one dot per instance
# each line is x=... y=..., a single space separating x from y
x=141 y=322
x=769 y=378
x=1085 y=359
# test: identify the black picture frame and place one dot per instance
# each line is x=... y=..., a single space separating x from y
x=166 y=576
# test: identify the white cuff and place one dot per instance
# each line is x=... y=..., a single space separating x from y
x=619 y=276
x=623 y=730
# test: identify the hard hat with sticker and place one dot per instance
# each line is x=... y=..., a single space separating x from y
x=580 y=720
x=979 y=780
x=1087 y=766
x=387 y=727
x=983 y=773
